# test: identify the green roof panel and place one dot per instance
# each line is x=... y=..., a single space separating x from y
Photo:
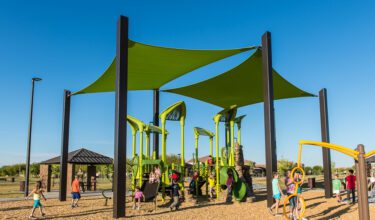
x=150 y=67
x=241 y=86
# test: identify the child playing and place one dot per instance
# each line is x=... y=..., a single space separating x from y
x=37 y=192
x=350 y=185
x=211 y=185
x=290 y=187
x=152 y=177
x=75 y=191
x=175 y=195
x=336 y=185
x=277 y=193
x=157 y=174
x=229 y=185
x=138 y=194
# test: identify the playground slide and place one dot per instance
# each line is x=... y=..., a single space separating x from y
x=239 y=189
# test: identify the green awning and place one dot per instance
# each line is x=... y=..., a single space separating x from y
x=150 y=67
x=241 y=86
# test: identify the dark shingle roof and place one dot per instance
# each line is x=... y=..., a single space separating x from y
x=82 y=156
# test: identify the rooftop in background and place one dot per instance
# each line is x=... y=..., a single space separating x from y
x=82 y=156
x=371 y=159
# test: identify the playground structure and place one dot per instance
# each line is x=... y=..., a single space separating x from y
x=227 y=160
x=144 y=162
x=205 y=170
x=358 y=155
x=145 y=67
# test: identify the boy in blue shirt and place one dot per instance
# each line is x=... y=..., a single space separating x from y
x=277 y=193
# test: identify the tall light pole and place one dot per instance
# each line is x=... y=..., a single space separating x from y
x=33 y=80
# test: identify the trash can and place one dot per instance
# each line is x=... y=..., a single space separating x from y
x=22 y=186
x=311 y=182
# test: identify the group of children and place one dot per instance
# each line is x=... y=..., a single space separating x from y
x=349 y=184
x=38 y=194
x=290 y=189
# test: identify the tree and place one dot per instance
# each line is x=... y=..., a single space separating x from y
x=34 y=169
x=284 y=165
x=308 y=170
x=173 y=158
x=317 y=170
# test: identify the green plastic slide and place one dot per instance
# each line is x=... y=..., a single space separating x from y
x=239 y=189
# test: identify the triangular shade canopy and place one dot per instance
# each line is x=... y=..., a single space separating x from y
x=241 y=86
x=150 y=67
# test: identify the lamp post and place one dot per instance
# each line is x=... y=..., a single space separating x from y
x=33 y=80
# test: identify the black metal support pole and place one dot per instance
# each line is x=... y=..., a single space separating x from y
x=156 y=122
x=119 y=180
x=64 y=146
x=269 y=115
x=29 y=140
x=325 y=138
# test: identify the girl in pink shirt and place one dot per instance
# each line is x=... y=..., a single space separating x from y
x=138 y=194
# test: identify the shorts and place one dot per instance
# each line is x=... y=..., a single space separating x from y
x=336 y=191
x=76 y=195
x=277 y=196
x=37 y=204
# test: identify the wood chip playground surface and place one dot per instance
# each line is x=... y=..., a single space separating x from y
x=317 y=207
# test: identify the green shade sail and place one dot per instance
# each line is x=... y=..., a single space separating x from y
x=150 y=67
x=241 y=86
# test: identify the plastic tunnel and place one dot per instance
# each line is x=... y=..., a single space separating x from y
x=239 y=189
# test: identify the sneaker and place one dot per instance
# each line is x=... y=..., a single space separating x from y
x=72 y=206
x=43 y=214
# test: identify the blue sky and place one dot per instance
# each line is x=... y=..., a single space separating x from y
x=69 y=44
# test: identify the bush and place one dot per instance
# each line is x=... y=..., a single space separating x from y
x=317 y=170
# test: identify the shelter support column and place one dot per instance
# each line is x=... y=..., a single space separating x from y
x=119 y=180
x=70 y=177
x=64 y=146
x=325 y=138
x=45 y=172
x=269 y=115
x=155 y=151
x=91 y=177
x=363 y=206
